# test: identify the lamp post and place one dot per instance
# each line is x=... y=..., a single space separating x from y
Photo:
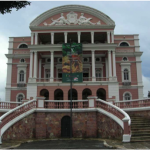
x=70 y=91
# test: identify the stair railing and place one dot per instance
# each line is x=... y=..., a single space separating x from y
x=7 y=118
x=120 y=114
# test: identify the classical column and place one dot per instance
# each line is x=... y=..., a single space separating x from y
x=112 y=36
x=52 y=67
x=40 y=63
x=52 y=37
x=35 y=64
x=109 y=64
x=31 y=63
x=32 y=38
x=108 y=36
x=106 y=66
x=79 y=34
x=65 y=33
x=114 y=65
x=93 y=65
x=92 y=37
x=36 y=38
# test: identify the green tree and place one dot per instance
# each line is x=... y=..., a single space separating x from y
x=7 y=6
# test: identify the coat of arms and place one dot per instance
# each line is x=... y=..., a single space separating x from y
x=72 y=17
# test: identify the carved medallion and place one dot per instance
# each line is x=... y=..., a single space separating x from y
x=72 y=17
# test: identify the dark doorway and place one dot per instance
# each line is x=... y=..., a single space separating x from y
x=101 y=93
x=74 y=94
x=58 y=94
x=65 y=126
x=86 y=93
x=45 y=93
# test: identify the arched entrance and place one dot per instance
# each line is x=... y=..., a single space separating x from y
x=58 y=94
x=65 y=126
x=45 y=93
x=86 y=93
x=74 y=94
x=101 y=93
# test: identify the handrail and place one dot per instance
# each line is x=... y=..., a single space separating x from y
x=120 y=110
x=66 y=100
x=127 y=101
x=12 y=110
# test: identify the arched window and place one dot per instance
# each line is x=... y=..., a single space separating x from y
x=126 y=74
x=21 y=76
x=23 y=46
x=127 y=96
x=20 y=97
x=124 y=44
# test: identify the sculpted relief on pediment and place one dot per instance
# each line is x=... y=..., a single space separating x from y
x=72 y=19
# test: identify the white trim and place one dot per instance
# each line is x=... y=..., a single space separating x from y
x=125 y=42
x=21 y=44
x=128 y=67
x=10 y=51
x=21 y=67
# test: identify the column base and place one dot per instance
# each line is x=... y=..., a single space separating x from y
x=32 y=80
x=126 y=138
x=51 y=79
x=93 y=79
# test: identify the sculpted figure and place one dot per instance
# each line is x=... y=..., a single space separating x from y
x=59 y=21
x=85 y=21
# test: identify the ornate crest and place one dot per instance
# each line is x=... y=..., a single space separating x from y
x=72 y=17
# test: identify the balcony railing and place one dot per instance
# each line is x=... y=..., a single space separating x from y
x=133 y=103
x=60 y=79
x=62 y=104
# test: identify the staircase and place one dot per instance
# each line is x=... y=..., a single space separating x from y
x=140 y=129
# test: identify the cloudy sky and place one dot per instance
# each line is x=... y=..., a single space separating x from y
x=130 y=18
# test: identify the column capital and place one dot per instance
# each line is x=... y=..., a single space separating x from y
x=79 y=32
x=65 y=33
x=93 y=51
x=36 y=33
x=109 y=51
x=52 y=33
x=112 y=31
x=52 y=52
x=32 y=33
x=92 y=32
x=113 y=52
x=108 y=32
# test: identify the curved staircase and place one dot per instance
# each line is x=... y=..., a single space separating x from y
x=140 y=128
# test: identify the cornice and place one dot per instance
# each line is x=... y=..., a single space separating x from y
x=129 y=54
x=67 y=8
x=17 y=55
x=34 y=28
x=85 y=47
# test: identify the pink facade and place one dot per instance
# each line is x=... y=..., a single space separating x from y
x=111 y=63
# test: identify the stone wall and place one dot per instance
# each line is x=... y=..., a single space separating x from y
x=48 y=125
x=145 y=114
x=23 y=129
x=108 y=128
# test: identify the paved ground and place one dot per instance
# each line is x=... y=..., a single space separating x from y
x=94 y=143
x=64 y=144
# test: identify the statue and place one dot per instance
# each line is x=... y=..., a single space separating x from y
x=72 y=19
x=59 y=21
x=84 y=21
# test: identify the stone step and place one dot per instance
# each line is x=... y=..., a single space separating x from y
x=136 y=140
x=138 y=134
x=140 y=130
x=140 y=137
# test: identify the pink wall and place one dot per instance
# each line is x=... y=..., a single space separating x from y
x=15 y=92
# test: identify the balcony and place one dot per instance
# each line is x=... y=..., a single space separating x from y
x=85 y=79
x=127 y=83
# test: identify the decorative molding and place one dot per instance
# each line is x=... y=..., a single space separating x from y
x=68 y=8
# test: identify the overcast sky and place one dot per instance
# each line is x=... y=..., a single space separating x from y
x=130 y=18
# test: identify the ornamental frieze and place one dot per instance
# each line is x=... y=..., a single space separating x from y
x=72 y=19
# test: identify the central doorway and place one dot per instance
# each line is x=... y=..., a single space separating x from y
x=65 y=126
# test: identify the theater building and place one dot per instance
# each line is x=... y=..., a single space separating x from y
x=111 y=63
